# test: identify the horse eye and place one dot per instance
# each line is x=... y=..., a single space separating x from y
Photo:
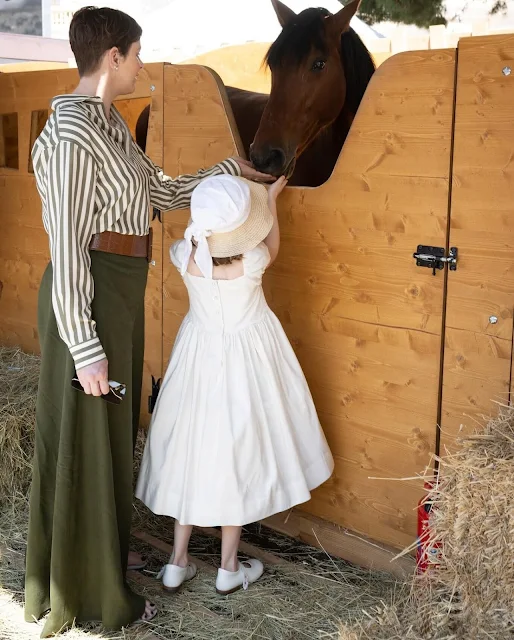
x=318 y=65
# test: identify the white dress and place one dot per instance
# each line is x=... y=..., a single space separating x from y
x=234 y=436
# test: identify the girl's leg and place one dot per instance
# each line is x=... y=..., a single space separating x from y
x=233 y=575
x=229 y=547
x=179 y=569
x=180 y=556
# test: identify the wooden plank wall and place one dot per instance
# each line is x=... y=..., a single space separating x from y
x=478 y=353
x=24 y=250
x=365 y=322
x=198 y=134
x=242 y=65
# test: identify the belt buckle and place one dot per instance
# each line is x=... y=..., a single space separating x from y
x=149 y=247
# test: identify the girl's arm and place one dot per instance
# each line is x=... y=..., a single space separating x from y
x=272 y=240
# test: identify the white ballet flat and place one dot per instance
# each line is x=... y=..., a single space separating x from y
x=173 y=576
x=230 y=581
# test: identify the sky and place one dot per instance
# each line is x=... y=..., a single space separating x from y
x=181 y=29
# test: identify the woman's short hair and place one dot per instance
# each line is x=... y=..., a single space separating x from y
x=94 y=31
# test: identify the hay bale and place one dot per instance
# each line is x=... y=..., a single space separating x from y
x=19 y=374
x=471 y=593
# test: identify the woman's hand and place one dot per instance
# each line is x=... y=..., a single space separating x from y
x=248 y=171
x=94 y=379
x=276 y=188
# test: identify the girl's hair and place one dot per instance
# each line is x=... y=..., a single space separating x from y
x=94 y=31
x=218 y=262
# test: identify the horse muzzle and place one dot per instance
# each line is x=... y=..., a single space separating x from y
x=272 y=160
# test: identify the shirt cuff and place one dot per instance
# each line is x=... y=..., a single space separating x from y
x=87 y=353
x=231 y=167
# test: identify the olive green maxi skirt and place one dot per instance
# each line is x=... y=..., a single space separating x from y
x=81 y=496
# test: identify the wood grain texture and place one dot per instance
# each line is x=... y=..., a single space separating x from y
x=24 y=250
x=239 y=65
x=341 y=543
x=365 y=322
x=38 y=121
x=243 y=65
x=35 y=65
x=24 y=254
x=197 y=133
x=478 y=354
x=130 y=109
x=9 y=141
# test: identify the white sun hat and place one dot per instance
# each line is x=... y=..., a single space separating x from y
x=229 y=216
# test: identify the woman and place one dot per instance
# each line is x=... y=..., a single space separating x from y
x=96 y=187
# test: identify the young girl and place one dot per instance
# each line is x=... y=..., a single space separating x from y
x=234 y=436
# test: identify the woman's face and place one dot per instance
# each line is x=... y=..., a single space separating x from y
x=128 y=69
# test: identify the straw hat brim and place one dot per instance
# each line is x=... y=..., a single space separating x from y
x=253 y=230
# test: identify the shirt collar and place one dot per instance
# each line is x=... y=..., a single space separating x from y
x=95 y=104
x=73 y=98
x=121 y=133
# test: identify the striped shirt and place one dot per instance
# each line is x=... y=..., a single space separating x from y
x=92 y=177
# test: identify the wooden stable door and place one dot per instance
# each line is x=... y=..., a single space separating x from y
x=479 y=327
x=391 y=347
x=364 y=320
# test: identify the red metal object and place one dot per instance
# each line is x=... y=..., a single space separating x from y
x=427 y=554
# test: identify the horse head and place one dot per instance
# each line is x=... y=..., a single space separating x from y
x=309 y=87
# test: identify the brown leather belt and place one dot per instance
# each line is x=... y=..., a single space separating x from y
x=123 y=245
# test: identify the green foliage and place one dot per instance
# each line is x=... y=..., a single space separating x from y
x=421 y=13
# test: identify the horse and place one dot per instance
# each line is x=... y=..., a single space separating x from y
x=320 y=69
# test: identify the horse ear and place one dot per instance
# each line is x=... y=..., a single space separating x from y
x=284 y=13
x=340 y=21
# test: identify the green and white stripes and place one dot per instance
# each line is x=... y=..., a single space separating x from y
x=92 y=177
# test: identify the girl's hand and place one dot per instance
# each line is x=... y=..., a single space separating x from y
x=94 y=379
x=276 y=188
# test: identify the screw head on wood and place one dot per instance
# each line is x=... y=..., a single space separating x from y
x=153 y=263
x=152 y=87
x=493 y=320
x=506 y=71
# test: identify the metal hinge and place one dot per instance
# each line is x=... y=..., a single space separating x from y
x=435 y=258
x=152 y=398
x=156 y=213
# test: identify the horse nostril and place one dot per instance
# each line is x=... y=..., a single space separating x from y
x=271 y=160
x=276 y=158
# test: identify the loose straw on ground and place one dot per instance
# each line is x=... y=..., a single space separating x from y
x=305 y=598
x=471 y=594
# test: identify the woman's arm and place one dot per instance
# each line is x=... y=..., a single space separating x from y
x=71 y=184
x=272 y=240
x=175 y=193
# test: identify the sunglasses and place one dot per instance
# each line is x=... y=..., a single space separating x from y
x=116 y=393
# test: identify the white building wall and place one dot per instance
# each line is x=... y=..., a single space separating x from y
x=46 y=18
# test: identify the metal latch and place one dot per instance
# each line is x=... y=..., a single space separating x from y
x=434 y=258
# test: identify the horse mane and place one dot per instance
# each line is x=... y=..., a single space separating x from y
x=358 y=68
x=298 y=37
x=306 y=31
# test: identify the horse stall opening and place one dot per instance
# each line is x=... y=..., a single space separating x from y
x=368 y=324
